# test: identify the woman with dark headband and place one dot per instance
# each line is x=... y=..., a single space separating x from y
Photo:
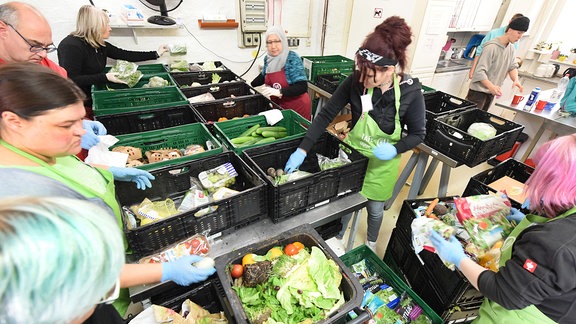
x=384 y=101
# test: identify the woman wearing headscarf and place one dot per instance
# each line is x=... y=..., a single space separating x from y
x=283 y=74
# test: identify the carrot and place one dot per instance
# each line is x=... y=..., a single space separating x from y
x=431 y=207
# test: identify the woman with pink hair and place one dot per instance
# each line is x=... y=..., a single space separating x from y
x=536 y=282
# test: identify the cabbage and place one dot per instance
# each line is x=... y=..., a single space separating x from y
x=156 y=82
x=482 y=131
x=127 y=72
x=179 y=66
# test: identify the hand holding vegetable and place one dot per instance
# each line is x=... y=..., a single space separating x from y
x=385 y=151
x=271 y=92
x=450 y=251
x=162 y=49
x=295 y=160
x=93 y=129
x=515 y=215
x=187 y=270
x=113 y=77
x=140 y=177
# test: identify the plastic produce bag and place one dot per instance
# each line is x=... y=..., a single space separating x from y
x=156 y=82
x=221 y=176
x=177 y=49
x=197 y=244
x=326 y=163
x=127 y=72
x=482 y=131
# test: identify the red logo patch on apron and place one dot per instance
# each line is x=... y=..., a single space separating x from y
x=530 y=265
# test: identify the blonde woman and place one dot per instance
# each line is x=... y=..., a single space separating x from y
x=83 y=53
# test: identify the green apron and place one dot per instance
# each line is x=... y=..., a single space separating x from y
x=109 y=197
x=492 y=312
x=366 y=134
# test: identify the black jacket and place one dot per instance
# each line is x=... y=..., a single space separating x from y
x=85 y=64
x=552 y=285
x=412 y=111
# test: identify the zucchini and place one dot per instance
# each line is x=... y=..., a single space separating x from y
x=274 y=134
x=271 y=129
x=241 y=139
x=266 y=140
x=250 y=130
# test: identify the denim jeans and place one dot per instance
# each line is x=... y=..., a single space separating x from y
x=375 y=210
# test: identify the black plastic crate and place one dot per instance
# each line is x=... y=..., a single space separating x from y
x=186 y=79
x=461 y=314
x=330 y=82
x=440 y=287
x=212 y=111
x=293 y=198
x=448 y=135
x=207 y=294
x=479 y=184
x=148 y=120
x=173 y=182
x=439 y=103
x=220 y=90
x=330 y=229
x=350 y=287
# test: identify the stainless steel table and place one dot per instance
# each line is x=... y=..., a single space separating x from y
x=265 y=229
x=552 y=120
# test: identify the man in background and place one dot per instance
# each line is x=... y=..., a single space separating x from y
x=497 y=61
x=490 y=36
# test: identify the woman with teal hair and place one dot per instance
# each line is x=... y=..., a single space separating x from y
x=59 y=259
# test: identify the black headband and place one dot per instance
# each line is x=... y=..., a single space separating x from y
x=375 y=58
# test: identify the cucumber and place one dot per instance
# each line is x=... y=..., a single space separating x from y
x=241 y=139
x=274 y=134
x=266 y=140
x=250 y=130
x=271 y=129
x=250 y=142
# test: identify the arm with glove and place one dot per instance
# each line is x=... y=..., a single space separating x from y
x=452 y=251
x=182 y=271
x=140 y=177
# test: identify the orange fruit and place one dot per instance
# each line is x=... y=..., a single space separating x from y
x=248 y=259
x=299 y=245
x=274 y=253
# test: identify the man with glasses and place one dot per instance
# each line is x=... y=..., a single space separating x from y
x=26 y=36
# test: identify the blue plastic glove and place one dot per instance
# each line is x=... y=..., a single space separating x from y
x=515 y=215
x=140 y=177
x=295 y=160
x=526 y=204
x=450 y=251
x=93 y=129
x=384 y=151
x=182 y=272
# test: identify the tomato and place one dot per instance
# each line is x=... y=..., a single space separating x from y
x=291 y=249
x=194 y=243
x=274 y=252
x=237 y=271
x=299 y=245
x=248 y=259
x=204 y=250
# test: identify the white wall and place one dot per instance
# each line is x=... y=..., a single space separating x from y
x=203 y=44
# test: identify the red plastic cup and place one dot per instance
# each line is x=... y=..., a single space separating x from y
x=541 y=104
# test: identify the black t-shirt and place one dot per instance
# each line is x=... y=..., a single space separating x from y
x=105 y=314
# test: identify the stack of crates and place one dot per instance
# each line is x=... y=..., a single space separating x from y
x=447 y=292
x=329 y=64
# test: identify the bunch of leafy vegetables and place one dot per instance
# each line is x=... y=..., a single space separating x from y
x=127 y=72
x=300 y=287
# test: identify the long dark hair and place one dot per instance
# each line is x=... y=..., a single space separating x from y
x=390 y=40
x=29 y=90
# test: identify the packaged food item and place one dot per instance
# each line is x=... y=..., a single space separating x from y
x=197 y=244
x=221 y=176
x=484 y=218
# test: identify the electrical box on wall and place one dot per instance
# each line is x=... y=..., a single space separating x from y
x=253 y=21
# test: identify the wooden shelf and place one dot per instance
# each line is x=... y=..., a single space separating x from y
x=230 y=23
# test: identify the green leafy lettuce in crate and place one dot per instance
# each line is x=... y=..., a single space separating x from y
x=156 y=82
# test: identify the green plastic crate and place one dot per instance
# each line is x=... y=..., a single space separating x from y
x=147 y=68
x=174 y=137
x=329 y=64
x=375 y=264
x=296 y=126
x=111 y=86
x=118 y=102
x=426 y=89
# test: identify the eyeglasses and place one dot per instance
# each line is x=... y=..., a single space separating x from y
x=112 y=295
x=273 y=42
x=35 y=48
